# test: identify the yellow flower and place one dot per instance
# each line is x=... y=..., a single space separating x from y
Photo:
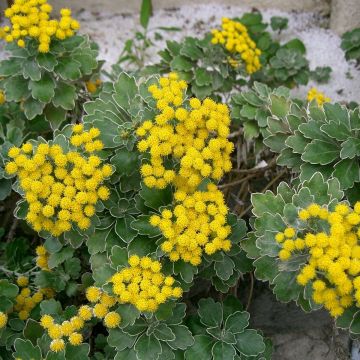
x=318 y=96
x=93 y=294
x=3 y=319
x=57 y=345
x=31 y=19
x=75 y=339
x=112 y=320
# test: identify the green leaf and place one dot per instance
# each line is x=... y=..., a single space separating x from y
x=55 y=116
x=202 y=77
x=250 y=343
x=266 y=268
x=320 y=152
x=145 y=13
x=68 y=69
x=43 y=90
x=128 y=314
x=190 y=49
x=5 y=188
x=147 y=347
x=225 y=268
x=266 y=202
x=119 y=256
x=181 y=63
x=125 y=90
x=201 y=349
x=31 y=70
x=124 y=230
x=164 y=333
x=59 y=257
x=33 y=331
x=7 y=289
x=297 y=45
x=125 y=161
x=77 y=352
x=47 y=61
x=97 y=241
x=25 y=350
x=65 y=96
x=50 y=279
x=347 y=172
x=10 y=67
x=237 y=322
x=286 y=287
x=223 y=351
x=142 y=225
x=156 y=198
x=279 y=106
x=16 y=89
x=117 y=338
x=278 y=23
x=210 y=312
x=32 y=108
x=350 y=148
x=183 y=337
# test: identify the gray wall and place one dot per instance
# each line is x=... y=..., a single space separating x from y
x=345 y=14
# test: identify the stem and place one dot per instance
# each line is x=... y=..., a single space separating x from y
x=251 y=291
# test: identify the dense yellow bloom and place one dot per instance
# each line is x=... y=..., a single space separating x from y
x=235 y=38
x=92 y=86
x=3 y=319
x=57 y=345
x=112 y=320
x=30 y=19
x=22 y=281
x=333 y=265
x=196 y=225
x=195 y=136
x=319 y=97
x=42 y=258
x=61 y=188
x=75 y=339
x=2 y=95
x=143 y=285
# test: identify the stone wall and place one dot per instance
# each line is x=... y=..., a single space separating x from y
x=345 y=14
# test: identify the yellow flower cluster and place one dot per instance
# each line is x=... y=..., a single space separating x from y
x=71 y=328
x=143 y=284
x=196 y=138
x=42 y=258
x=2 y=97
x=319 y=97
x=25 y=301
x=61 y=188
x=235 y=38
x=3 y=319
x=197 y=224
x=103 y=302
x=31 y=19
x=68 y=328
x=92 y=86
x=333 y=266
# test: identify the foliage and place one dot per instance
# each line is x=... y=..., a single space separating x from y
x=351 y=44
x=321 y=74
x=308 y=139
x=274 y=212
x=48 y=83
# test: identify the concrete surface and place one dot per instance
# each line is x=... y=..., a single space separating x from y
x=295 y=334
x=134 y=5
x=345 y=15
